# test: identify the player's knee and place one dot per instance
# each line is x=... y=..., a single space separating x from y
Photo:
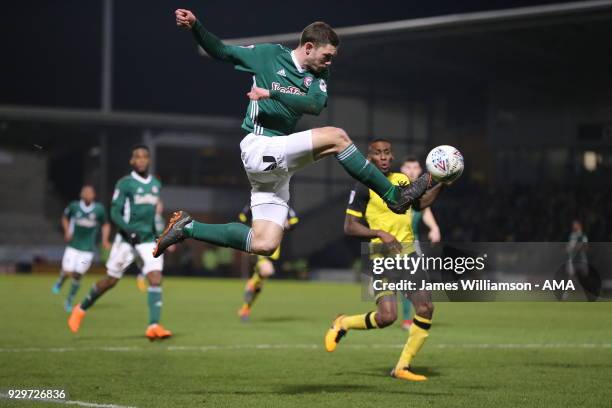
x=76 y=277
x=107 y=283
x=425 y=309
x=263 y=248
x=266 y=269
x=154 y=278
x=341 y=139
x=385 y=318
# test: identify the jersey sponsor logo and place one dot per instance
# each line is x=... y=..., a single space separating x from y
x=307 y=81
x=286 y=89
x=85 y=222
x=145 y=199
x=281 y=72
x=323 y=85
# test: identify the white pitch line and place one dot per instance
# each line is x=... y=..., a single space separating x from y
x=208 y=348
x=68 y=402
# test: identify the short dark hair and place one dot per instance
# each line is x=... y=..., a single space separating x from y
x=411 y=159
x=140 y=146
x=378 y=140
x=319 y=33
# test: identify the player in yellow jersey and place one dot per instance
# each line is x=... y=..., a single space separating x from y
x=394 y=233
x=264 y=266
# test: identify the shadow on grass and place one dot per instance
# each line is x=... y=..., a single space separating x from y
x=282 y=319
x=311 y=389
x=386 y=372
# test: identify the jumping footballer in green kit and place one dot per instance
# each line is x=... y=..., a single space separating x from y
x=286 y=84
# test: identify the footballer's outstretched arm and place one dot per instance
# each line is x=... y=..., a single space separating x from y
x=354 y=228
x=213 y=46
x=66 y=228
x=207 y=40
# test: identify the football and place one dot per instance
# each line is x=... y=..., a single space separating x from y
x=444 y=163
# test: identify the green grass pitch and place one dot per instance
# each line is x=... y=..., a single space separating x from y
x=478 y=354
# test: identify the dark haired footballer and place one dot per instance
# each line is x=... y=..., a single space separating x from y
x=286 y=84
x=133 y=211
x=368 y=217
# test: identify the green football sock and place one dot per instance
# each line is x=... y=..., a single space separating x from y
x=60 y=281
x=154 y=299
x=406 y=308
x=362 y=170
x=91 y=298
x=234 y=235
x=74 y=288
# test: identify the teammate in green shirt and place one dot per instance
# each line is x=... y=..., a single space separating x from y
x=286 y=84
x=412 y=169
x=133 y=211
x=81 y=222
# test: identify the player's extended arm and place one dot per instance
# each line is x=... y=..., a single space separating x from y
x=430 y=221
x=116 y=213
x=211 y=43
x=66 y=228
x=207 y=40
x=354 y=228
x=311 y=103
x=106 y=230
x=429 y=197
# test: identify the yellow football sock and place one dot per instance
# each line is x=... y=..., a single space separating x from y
x=255 y=280
x=365 y=321
x=419 y=331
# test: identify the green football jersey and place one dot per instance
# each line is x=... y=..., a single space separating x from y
x=275 y=68
x=85 y=221
x=133 y=207
x=293 y=90
x=417 y=216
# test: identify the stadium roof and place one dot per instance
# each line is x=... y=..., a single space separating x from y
x=554 y=41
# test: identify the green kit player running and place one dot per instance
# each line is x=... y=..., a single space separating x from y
x=81 y=222
x=133 y=211
x=286 y=84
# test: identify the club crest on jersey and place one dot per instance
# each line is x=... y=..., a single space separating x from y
x=307 y=81
x=154 y=189
x=323 y=85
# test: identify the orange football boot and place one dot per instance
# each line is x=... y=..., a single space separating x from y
x=334 y=334
x=406 y=374
x=157 y=331
x=74 y=321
